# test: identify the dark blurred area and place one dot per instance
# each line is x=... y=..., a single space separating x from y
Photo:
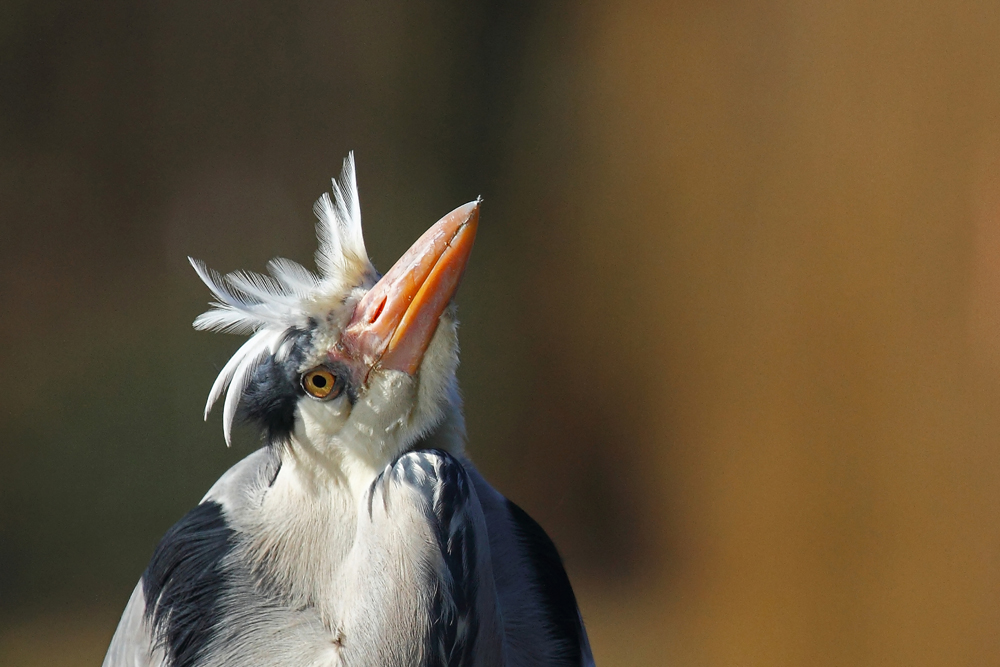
x=731 y=331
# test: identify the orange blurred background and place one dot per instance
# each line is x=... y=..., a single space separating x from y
x=731 y=331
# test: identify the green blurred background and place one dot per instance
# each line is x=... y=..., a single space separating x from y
x=731 y=331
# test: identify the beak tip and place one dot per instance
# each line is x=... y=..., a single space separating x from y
x=471 y=214
x=472 y=208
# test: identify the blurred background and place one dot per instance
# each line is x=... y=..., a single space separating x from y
x=731 y=331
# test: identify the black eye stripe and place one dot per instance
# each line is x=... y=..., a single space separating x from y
x=270 y=399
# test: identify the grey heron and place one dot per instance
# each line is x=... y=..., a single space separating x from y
x=359 y=533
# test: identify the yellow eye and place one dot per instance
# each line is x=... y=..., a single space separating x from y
x=320 y=383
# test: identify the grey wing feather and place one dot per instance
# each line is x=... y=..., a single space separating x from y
x=133 y=644
x=424 y=595
x=542 y=623
x=138 y=641
x=246 y=481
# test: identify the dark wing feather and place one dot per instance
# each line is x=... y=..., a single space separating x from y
x=184 y=583
x=552 y=585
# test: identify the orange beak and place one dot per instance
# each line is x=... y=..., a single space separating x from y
x=394 y=323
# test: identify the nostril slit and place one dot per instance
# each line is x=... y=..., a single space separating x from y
x=378 y=311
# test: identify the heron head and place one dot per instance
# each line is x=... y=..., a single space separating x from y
x=347 y=364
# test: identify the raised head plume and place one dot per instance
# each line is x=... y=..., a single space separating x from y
x=341 y=255
x=269 y=307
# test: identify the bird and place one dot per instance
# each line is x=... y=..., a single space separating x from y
x=359 y=533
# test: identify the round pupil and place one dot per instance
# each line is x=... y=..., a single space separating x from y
x=319 y=381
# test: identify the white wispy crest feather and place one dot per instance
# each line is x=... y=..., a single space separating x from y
x=268 y=306
x=341 y=254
